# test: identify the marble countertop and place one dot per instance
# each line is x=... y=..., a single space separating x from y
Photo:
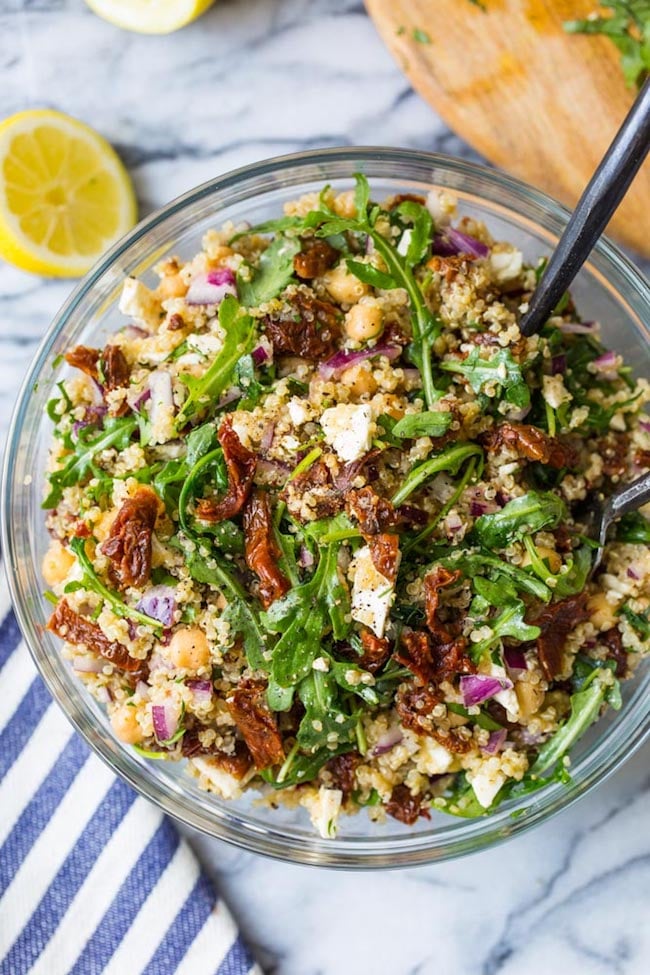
x=255 y=78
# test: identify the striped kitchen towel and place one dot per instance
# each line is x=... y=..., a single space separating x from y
x=93 y=878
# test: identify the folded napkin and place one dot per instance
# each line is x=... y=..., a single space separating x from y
x=93 y=878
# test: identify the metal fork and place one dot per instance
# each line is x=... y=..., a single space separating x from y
x=627 y=499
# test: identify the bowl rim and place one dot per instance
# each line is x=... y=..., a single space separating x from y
x=345 y=853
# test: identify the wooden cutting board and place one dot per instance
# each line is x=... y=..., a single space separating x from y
x=541 y=103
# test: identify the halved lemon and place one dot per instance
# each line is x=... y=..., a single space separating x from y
x=150 y=16
x=64 y=194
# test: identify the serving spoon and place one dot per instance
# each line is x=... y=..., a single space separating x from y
x=595 y=208
x=603 y=193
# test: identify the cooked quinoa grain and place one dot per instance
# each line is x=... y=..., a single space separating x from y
x=319 y=515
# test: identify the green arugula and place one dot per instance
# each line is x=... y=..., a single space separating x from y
x=430 y=423
x=501 y=369
x=640 y=622
x=449 y=459
x=509 y=622
x=116 y=433
x=523 y=516
x=628 y=26
x=633 y=528
x=274 y=273
x=90 y=582
x=201 y=393
x=472 y=564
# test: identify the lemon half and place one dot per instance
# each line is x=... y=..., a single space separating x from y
x=64 y=194
x=149 y=16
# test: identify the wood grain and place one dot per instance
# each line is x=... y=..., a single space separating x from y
x=539 y=102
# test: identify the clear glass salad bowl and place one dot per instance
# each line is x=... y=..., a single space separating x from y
x=609 y=289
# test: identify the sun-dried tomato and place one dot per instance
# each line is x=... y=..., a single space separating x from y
x=236 y=764
x=325 y=500
x=81 y=631
x=452 y=740
x=414 y=651
x=261 y=550
x=316 y=257
x=433 y=661
x=342 y=768
x=256 y=723
x=350 y=471
x=398 y=198
x=81 y=357
x=448 y=266
x=532 y=443
x=613 y=450
x=240 y=464
x=406 y=807
x=556 y=622
x=373 y=513
x=128 y=545
x=613 y=640
x=376 y=651
x=414 y=704
x=310 y=329
x=115 y=368
x=384 y=552
x=439 y=578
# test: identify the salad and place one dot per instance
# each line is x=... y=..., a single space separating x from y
x=319 y=515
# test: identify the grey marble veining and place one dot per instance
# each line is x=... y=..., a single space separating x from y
x=254 y=78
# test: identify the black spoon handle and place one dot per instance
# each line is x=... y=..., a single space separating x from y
x=596 y=206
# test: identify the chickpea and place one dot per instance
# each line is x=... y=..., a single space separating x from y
x=364 y=321
x=171 y=286
x=529 y=697
x=344 y=204
x=601 y=611
x=188 y=648
x=554 y=560
x=124 y=721
x=56 y=564
x=343 y=286
x=102 y=526
x=359 y=380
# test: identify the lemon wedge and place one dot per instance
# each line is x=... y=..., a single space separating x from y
x=64 y=194
x=149 y=16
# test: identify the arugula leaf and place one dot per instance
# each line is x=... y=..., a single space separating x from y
x=324 y=719
x=483 y=720
x=628 y=26
x=420 y=232
x=370 y=275
x=91 y=582
x=271 y=227
x=449 y=459
x=430 y=423
x=304 y=768
x=574 y=578
x=633 y=528
x=509 y=622
x=501 y=369
x=519 y=517
x=273 y=274
x=240 y=331
x=117 y=433
x=341 y=671
x=473 y=564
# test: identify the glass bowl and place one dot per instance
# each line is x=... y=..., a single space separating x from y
x=608 y=289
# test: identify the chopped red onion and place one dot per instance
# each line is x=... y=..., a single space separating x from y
x=451 y=241
x=345 y=358
x=477 y=688
x=259 y=355
x=230 y=396
x=212 y=288
x=369 y=246
x=305 y=558
x=343 y=480
x=479 y=504
x=104 y=695
x=97 y=392
x=159 y=602
x=496 y=741
x=387 y=741
x=608 y=362
x=515 y=659
x=578 y=328
x=201 y=691
x=645 y=425
x=633 y=574
x=143 y=398
x=135 y=332
x=142 y=689
x=165 y=719
x=558 y=365
x=453 y=522
x=272 y=467
x=88 y=665
x=519 y=415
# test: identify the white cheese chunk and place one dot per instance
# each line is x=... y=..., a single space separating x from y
x=507 y=699
x=486 y=784
x=299 y=411
x=506 y=264
x=324 y=811
x=219 y=781
x=138 y=302
x=433 y=758
x=349 y=429
x=372 y=593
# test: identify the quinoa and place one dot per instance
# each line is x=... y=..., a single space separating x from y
x=319 y=515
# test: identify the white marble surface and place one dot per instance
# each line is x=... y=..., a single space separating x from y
x=251 y=79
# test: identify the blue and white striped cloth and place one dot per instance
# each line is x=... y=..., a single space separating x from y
x=93 y=878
